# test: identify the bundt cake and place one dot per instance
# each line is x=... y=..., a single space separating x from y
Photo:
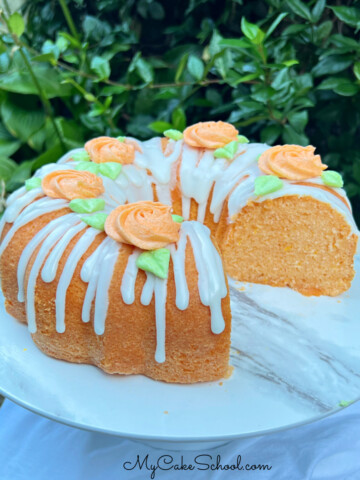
x=111 y=255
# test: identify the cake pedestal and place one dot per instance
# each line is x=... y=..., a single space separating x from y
x=296 y=359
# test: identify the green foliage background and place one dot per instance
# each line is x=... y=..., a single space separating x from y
x=280 y=71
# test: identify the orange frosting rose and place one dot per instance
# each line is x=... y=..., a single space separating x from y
x=292 y=162
x=71 y=184
x=108 y=149
x=210 y=134
x=147 y=225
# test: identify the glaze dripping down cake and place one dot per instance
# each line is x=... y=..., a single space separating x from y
x=115 y=255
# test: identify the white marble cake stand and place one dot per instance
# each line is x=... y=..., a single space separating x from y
x=296 y=359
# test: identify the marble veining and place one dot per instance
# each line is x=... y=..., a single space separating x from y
x=307 y=348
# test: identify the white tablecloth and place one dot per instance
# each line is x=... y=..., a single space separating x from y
x=32 y=447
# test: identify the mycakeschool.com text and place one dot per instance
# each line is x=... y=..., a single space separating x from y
x=200 y=462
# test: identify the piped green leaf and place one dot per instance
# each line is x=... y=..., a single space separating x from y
x=155 y=261
x=88 y=166
x=242 y=139
x=266 y=184
x=87 y=205
x=31 y=183
x=173 y=134
x=81 y=156
x=222 y=153
x=96 y=221
x=121 y=139
x=332 y=179
x=110 y=169
x=228 y=151
x=177 y=218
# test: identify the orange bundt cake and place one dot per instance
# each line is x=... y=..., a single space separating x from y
x=110 y=255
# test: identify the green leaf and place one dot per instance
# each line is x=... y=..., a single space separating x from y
x=81 y=156
x=21 y=82
x=143 y=68
x=235 y=43
x=332 y=64
x=50 y=156
x=178 y=119
x=181 y=67
x=160 y=126
x=298 y=120
x=300 y=8
x=33 y=182
x=290 y=63
x=88 y=167
x=21 y=122
x=270 y=134
x=266 y=184
x=8 y=147
x=155 y=261
x=173 y=134
x=332 y=179
x=21 y=173
x=275 y=23
x=16 y=24
x=228 y=151
x=113 y=89
x=4 y=62
x=317 y=10
x=62 y=43
x=348 y=15
x=332 y=82
x=347 y=89
x=87 y=205
x=222 y=153
x=323 y=30
x=242 y=139
x=45 y=57
x=356 y=70
x=49 y=47
x=177 y=218
x=110 y=169
x=101 y=67
x=252 y=31
x=7 y=168
x=342 y=41
x=291 y=136
x=195 y=67
x=96 y=221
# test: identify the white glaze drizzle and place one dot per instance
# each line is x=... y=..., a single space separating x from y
x=47 y=244
x=32 y=211
x=13 y=209
x=49 y=270
x=211 y=279
x=90 y=274
x=160 y=290
x=102 y=293
x=245 y=162
x=75 y=255
x=178 y=258
x=148 y=289
x=129 y=279
x=34 y=244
